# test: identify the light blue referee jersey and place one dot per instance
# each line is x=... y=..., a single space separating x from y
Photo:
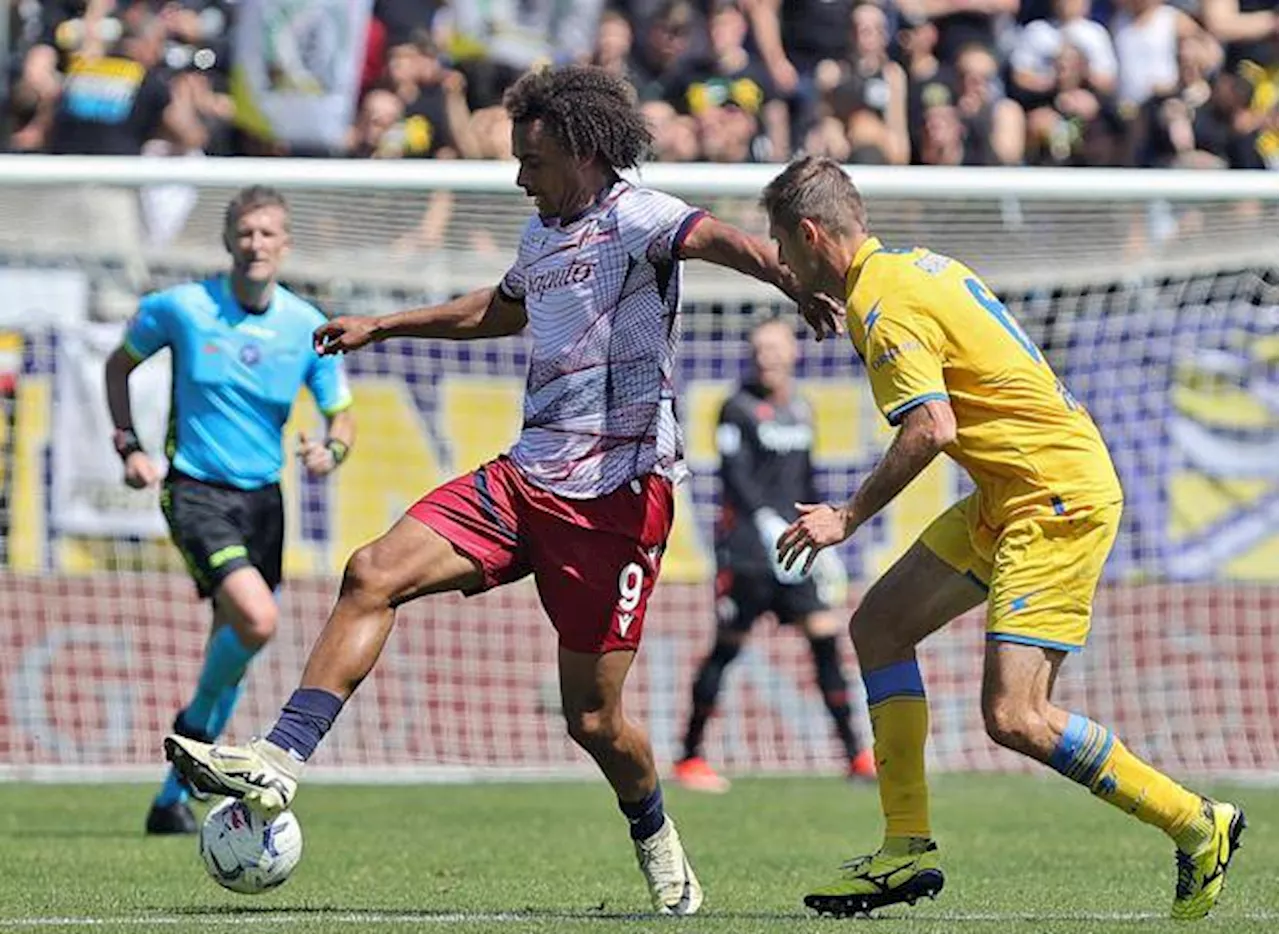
x=235 y=376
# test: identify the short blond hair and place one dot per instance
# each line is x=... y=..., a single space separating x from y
x=816 y=188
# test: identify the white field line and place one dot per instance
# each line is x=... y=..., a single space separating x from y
x=285 y=917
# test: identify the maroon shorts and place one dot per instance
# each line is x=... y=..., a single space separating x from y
x=595 y=561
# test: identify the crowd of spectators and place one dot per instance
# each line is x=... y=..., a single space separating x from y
x=1155 y=83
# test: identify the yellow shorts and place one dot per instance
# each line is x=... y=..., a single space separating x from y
x=1040 y=572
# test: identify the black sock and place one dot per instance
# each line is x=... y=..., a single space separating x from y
x=706 y=688
x=645 y=817
x=835 y=690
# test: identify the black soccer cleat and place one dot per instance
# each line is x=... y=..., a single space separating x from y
x=172 y=819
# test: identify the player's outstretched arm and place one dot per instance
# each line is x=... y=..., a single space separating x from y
x=925 y=430
x=483 y=313
x=714 y=241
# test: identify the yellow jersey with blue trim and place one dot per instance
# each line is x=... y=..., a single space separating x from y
x=928 y=328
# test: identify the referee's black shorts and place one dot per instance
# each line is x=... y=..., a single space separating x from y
x=219 y=529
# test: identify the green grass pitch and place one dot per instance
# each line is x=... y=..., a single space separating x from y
x=1023 y=855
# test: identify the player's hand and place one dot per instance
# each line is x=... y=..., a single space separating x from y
x=819 y=526
x=141 y=471
x=770 y=526
x=315 y=456
x=343 y=335
x=822 y=313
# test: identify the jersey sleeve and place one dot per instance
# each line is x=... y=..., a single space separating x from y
x=904 y=360
x=653 y=225
x=327 y=381
x=152 y=328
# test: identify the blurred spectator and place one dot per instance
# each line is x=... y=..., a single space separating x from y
x=995 y=126
x=867 y=93
x=964 y=22
x=675 y=135
x=437 y=121
x=1248 y=30
x=497 y=41
x=1147 y=33
x=793 y=36
x=1034 y=59
x=927 y=76
x=663 y=51
x=731 y=78
x=1205 y=123
x=379 y=129
x=613 y=45
x=111 y=104
x=942 y=134
x=1079 y=124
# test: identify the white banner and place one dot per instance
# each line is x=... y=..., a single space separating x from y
x=39 y=298
x=297 y=68
x=89 y=495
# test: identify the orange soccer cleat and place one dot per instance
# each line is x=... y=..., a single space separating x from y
x=862 y=766
x=696 y=774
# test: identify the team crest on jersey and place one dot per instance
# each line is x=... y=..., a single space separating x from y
x=250 y=354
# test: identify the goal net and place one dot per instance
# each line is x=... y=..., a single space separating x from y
x=1153 y=294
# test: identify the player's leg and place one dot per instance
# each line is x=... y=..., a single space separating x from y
x=740 y=599
x=938 y=579
x=821 y=629
x=595 y=577
x=211 y=527
x=459 y=537
x=804 y=605
x=1040 y=611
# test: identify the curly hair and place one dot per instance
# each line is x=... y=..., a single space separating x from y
x=590 y=113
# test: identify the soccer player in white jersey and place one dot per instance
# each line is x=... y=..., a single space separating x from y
x=583 y=501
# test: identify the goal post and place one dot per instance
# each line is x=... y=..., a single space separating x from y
x=1152 y=293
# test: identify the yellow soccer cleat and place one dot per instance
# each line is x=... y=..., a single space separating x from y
x=261 y=774
x=1201 y=874
x=871 y=882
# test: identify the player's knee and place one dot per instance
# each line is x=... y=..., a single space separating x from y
x=1012 y=724
x=594 y=729
x=367 y=578
x=258 y=625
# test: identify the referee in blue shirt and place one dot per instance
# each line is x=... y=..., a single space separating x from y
x=241 y=350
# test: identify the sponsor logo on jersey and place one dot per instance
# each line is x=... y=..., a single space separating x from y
x=575 y=273
x=784 y=438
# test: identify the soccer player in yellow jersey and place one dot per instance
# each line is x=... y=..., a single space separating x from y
x=953 y=371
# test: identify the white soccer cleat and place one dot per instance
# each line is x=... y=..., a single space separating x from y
x=674 y=888
x=261 y=774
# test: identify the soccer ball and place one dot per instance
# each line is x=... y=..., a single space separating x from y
x=246 y=853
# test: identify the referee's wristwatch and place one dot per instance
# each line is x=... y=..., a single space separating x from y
x=338 y=450
x=126 y=442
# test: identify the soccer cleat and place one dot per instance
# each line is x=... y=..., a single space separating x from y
x=696 y=774
x=1201 y=875
x=870 y=882
x=181 y=728
x=260 y=774
x=170 y=819
x=862 y=767
x=674 y=888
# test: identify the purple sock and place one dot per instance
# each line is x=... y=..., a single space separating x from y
x=646 y=817
x=308 y=715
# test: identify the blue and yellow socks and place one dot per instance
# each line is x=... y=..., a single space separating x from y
x=1090 y=754
x=900 y=725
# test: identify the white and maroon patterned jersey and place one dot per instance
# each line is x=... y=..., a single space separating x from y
x=602 y=293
